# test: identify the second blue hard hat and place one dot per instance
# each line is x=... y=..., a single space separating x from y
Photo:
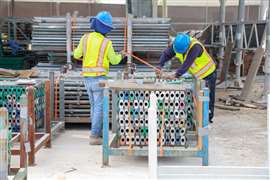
x=102 y=22
x=181 y=43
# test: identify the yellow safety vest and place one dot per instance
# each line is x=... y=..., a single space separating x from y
x=202 y=66
x=95 y=51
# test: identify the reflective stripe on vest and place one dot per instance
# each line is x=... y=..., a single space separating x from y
x=85 y=40
x=204 y=69
x=94 y=70
x=102 y=51
x=98 y=60
x=202 y=65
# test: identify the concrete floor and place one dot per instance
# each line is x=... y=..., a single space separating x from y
x=236 y=139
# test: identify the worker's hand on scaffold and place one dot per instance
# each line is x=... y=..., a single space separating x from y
x=169 y=76
x=158 y=72
x=123 y=54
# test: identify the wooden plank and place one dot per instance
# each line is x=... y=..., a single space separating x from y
x=257 y=59
x=41 y=142
x=21 y=174
x=226 y=62
x=15 y=138
x=220 y=106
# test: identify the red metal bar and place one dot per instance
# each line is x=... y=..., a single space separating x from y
x=31 y=132
x=48 y=112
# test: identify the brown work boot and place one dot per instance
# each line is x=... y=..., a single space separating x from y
x=95 y=140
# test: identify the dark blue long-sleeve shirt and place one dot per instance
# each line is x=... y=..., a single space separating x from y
x=194 y=52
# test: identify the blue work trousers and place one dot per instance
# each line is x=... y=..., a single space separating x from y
x=95 y=94
x=211 y=84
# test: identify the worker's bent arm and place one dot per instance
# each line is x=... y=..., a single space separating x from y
x=166 y=55
x=194 y=52
x=113 y=57
x=78 y=52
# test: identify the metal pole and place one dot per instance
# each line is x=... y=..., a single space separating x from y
x=152 y=148
x=239 y=41
x=155 y=8
x=268 y=128
x=164 y=8
x=51 y=77
x=68 y=42
x=129 y=37
x=267 y=57
x=222 y=12
x=263 y=10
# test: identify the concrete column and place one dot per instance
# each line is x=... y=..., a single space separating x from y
x=222 y=12
x=239 y=41
x=68 y=41
x=164 y=8
x=155 y=8
x=267 y=57
x=263 y=9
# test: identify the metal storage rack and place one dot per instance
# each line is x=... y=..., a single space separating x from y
x=198 y=139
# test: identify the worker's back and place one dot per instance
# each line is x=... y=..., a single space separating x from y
x=95 y=54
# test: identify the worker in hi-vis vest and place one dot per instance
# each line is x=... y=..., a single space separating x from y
x=97 y=52
x=195 y=60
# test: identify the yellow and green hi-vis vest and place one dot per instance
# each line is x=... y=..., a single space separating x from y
x=95 y=51
x=202 y=66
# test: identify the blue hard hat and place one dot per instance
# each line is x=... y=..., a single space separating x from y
x=181 y=43
x=102 y=22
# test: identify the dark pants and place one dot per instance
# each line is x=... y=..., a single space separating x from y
x=211 y=84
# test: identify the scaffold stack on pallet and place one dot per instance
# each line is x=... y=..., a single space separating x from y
x=182 y=118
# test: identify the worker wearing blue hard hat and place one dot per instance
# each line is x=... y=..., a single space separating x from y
x=194 y=59
x=98 y=53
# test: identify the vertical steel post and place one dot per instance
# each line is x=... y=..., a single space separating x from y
x=164 y=8
x=205 y=127
x=105 y=147
x=222 y=13
x=263 y=10
x=155 y=8
x=268 y=128
x=68 y=42
x=48 y=114
x=239 y=41
x=24 y=124
x=61 y=100
x=267 y=57
x=51 y=77
x=4 y=144
x=129 y=37
x=152 y=136
x=32 y=124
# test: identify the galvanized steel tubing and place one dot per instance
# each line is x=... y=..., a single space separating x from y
x=148 y=34
x=132 y=116
x=10 y=99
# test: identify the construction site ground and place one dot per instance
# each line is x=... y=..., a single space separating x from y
x=237 y=138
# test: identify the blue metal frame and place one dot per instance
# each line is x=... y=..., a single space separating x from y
x=205 y=125
x=179 y=152
x=105 y=148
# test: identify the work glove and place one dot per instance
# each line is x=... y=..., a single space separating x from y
x=158 y=72
x=169 y=76
x=123 y=54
